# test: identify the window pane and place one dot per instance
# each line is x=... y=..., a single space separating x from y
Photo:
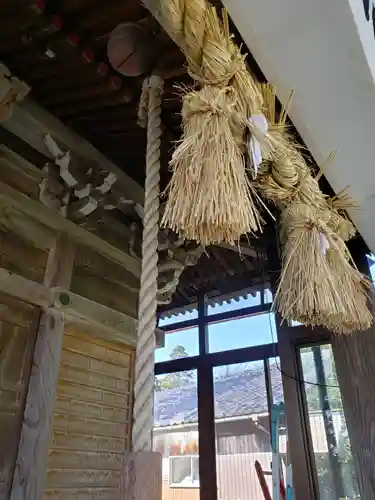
x=180 y=344
x=235 y=304
x=329 y=435
x=277 y=398
x=242 y=430
x=244 y=332
x=175 y=432
x=276 y=381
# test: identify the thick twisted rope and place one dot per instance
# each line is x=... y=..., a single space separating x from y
x=144 y=364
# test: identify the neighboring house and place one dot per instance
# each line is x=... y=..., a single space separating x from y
x=242 y=434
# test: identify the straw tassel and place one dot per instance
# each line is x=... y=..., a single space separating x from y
x=210 y=197
x=318 y=284
x=208 y=177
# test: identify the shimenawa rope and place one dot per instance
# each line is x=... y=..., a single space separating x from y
x=144 y=364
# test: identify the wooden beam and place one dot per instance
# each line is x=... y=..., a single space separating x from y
x=355 y=366
x=91 y=263
x=102 y=291
x=36 y=210
x=60 y=264
x=99 y=320
x=31 y=123
x=79 y=312
x=26 y=290
x=241 y=249
x=29 y=473
x=141 y=476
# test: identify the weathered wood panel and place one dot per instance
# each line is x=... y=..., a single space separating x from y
x=73 y=440
x=17 y=256
x=71 y=423
x=19 y=173
x=92 y=419
x=17 y=340
x=141 y=477
x=80 y=477
x=82 y=494
x=96 y=349
x=82 y=376
x=355 y=365
x=91 y=394
x=29 y=472
x=105 y=292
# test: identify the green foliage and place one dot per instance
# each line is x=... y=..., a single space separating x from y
x=178 y=351
x=177 y=379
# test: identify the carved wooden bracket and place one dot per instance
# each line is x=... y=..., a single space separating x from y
x=85 y=187
x=173 y=259
x=11 y=90
x=77 y=190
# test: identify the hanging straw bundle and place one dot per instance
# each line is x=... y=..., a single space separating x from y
x=307 y=287
x=355 y=284
x=318 y=284
x=210 y=196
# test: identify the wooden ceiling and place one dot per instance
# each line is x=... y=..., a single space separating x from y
x=58 y=47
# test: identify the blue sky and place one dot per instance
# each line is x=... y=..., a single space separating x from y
x=244 y=332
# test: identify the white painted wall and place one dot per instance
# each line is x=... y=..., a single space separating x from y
x=317 y=48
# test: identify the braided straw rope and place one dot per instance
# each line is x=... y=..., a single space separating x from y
x=210 y=197
x=144 y=364
x=318 y=284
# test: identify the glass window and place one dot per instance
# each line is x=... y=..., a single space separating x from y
x=277 y=393
x=276 y=380
x=184 y=472
x=251 y=331
x=178 y=344
x=235 y=304
x=175 y=433
x=242 y=429
x=329 y=435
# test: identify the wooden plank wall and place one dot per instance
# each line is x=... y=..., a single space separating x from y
x=18 y=326
x=92 y=419
x=17 y=256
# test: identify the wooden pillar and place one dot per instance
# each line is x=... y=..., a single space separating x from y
x=141 y=477
x=355 y=365
x=29 y=474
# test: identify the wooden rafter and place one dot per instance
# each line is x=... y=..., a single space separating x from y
x=32 y=123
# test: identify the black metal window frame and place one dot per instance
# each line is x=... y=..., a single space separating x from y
x=204 y=363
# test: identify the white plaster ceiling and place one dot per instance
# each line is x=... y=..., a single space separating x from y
x=325 y=51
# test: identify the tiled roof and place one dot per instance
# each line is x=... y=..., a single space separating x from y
x=237 y=393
